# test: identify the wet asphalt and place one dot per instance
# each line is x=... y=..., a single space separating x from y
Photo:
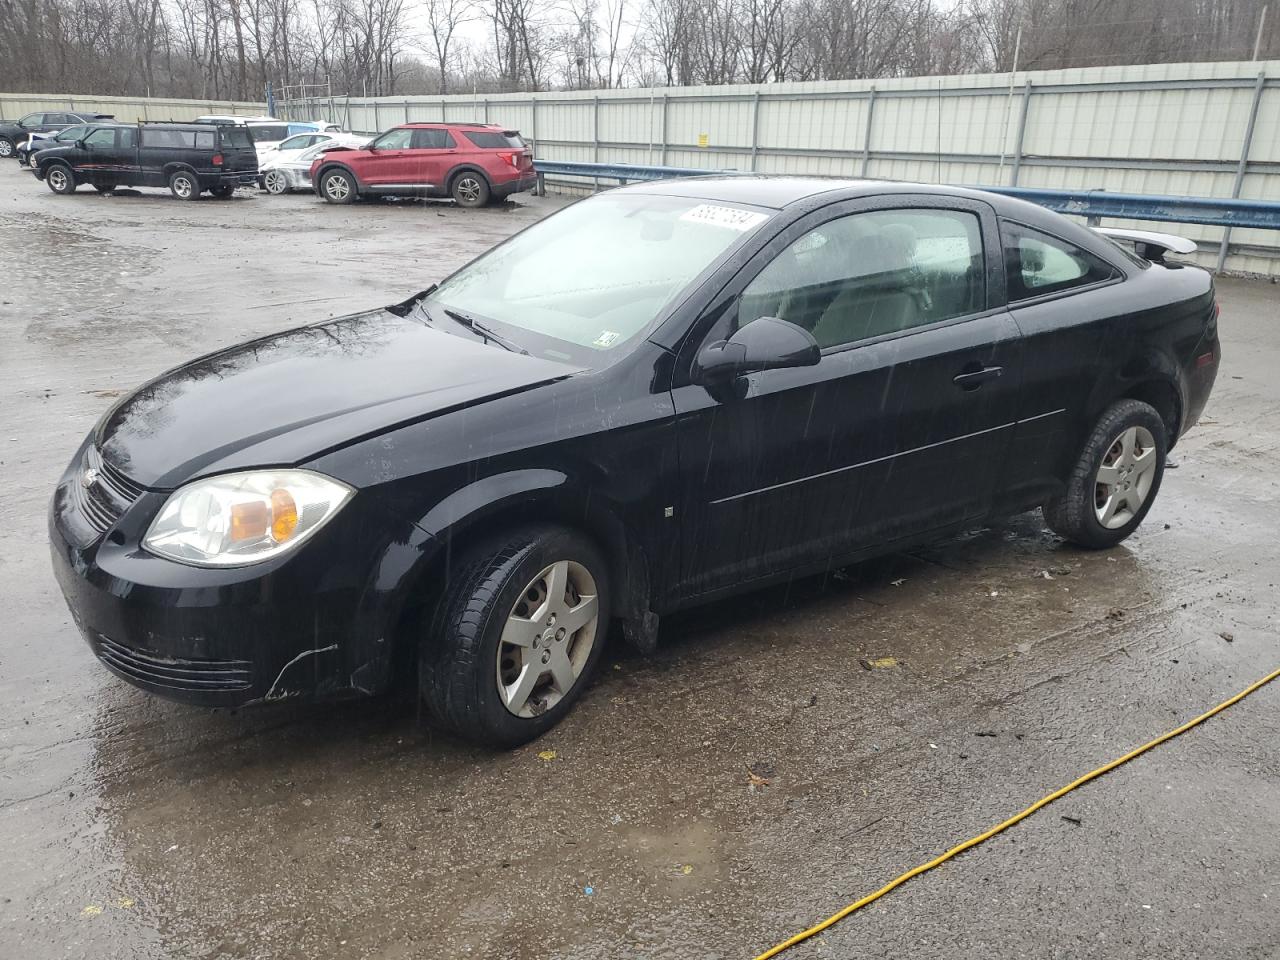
x=748 y=779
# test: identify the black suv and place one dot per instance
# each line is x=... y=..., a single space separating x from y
x=188 y=158
x=14 y=133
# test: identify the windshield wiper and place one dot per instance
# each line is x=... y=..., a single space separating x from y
x=469 y=321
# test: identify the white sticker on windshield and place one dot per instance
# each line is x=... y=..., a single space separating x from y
x=718 y=216
x=607 y=338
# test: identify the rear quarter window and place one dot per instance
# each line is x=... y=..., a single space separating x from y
x=492 y=140
x=268 y=132
x=236 y=137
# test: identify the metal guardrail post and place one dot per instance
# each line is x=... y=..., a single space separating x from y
x=406 y=110
x=377 y=123
x=1243 y=164
x=444 y=111
x=486 y=109
x=866 y=140
x=1022 y=131
x=755 y=129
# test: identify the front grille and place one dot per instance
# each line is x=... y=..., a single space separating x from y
x=155 y=670
x=103 y=502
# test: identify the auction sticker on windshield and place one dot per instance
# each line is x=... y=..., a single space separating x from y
x=719 y=216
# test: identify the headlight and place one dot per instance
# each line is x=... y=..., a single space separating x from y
x=242 y=518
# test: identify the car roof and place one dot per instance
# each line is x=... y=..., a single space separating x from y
x=778 y=191
x=436 y=124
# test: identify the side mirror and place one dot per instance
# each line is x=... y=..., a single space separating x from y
x=766 y=343
x=82 y=144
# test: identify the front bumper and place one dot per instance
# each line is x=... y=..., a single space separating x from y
x=213 y=637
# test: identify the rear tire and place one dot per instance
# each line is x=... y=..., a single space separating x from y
x=337 y=186
x=469 y=190
x=184 y=185
x=223 y=191
x=495 y=666
x=60 y=179
x=1115 y=480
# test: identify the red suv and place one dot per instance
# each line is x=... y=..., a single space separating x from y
x=471 y=162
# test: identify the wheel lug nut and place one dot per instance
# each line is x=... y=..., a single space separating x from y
x=560 y=634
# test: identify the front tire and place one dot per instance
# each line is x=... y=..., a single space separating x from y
x=469 y=190
x=275 y=183
x=516 y=636
x=6 y=148
x=337 y=186
x=60 y=179
x=1115 y=480
x=184 y=185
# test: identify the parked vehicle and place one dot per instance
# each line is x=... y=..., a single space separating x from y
x=62 y=138
x=39 y=125
x=285 y=170
x=472 y=162
x=188 y=158
x=663 y=394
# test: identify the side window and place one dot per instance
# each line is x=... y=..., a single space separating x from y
x=32 y=120
x=129 y=137
x=431 y=139
x=870 y=274
x=204 y=139
x=1039 y=264
x=101 y=139
x=397 y=139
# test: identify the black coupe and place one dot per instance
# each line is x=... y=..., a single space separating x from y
x=660 y=395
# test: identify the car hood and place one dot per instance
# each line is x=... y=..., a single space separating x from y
x=286 y=398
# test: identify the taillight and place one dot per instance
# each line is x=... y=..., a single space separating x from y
x=217 y=159
x=510 y=158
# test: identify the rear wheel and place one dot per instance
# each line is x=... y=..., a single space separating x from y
x=6 y=147
x=60 y=178
x=184 y=185
x=469 y=189
x=337 y=186
x=275 y=182
x=516 y=636
x=1116 y=479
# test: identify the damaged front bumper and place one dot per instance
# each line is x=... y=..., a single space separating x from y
x=212 y=637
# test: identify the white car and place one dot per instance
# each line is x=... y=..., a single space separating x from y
x=283 y=170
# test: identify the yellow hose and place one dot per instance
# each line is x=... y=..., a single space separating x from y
x=1042 y=802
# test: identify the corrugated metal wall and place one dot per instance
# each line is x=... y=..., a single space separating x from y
x=1176 y=129
x=15 y=105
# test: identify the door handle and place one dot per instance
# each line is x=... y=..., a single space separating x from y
x=975 y=375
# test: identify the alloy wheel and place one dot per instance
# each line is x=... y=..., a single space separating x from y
x=469 y=190
x=6 y=148
x=337 y=188
x=275 y=182
x=547 y=639
x=57 y=179
x=1124 y=479
x=182 y=186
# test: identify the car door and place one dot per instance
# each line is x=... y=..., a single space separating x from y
x=101 y=161
x=433 y=153
x=794 y=467
x=390 y=159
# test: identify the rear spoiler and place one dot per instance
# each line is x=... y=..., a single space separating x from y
x=1148 y=244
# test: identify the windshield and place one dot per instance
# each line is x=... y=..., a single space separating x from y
x=597 y=274
x=72 y=133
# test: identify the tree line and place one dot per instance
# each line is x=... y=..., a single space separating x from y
x=230 y=49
